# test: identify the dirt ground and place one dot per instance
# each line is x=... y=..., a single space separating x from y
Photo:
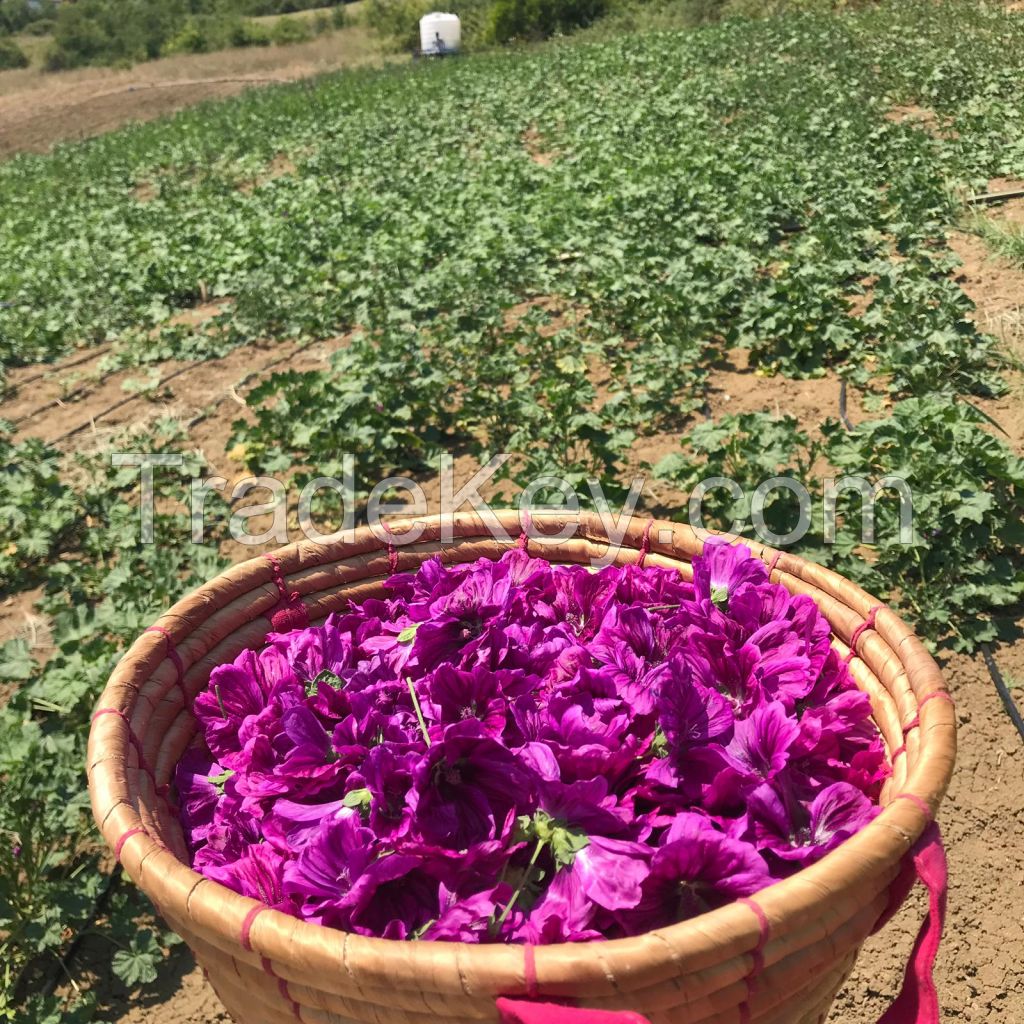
x=39 y=109
x=979 y=971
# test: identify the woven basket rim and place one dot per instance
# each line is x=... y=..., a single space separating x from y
x=886 y=839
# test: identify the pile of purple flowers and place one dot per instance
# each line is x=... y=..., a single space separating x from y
x=514 y=751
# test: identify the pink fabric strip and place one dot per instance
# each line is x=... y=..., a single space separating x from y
x=172 y=651
x=119 y=845
x=773 y=563
x=918 y=1000
x=757 y=954
x=520 y=1011
x=247 y=927
x=868 y=623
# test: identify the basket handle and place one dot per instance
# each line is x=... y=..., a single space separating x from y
x=522 y=1011
x=918 y=1001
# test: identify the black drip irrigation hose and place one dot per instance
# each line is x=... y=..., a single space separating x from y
x=1003 y=690
x=991 y=198
x=842 y=405
x=63 y=968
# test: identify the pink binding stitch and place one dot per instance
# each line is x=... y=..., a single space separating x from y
x=868 y=623
x=289 y=612
x=757 y=954
x=247 y=923
x=172 y=651
x=124 y=837
x=645 y=543
x=915 y=722
x=392 y=552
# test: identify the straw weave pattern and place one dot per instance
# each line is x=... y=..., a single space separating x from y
x=720 y=968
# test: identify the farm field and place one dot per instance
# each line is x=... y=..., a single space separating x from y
x=741 y=251
x=39 y=109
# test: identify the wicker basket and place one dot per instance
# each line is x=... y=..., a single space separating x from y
x=776 y=959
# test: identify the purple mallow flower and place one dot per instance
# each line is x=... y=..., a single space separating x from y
x=512 y=751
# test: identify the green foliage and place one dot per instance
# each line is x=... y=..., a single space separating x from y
x=23 y=15
x=543 y=253
x=957 y=568
x=99 y=596
x=289 y=30
x=539 y=19
x=963 y=564
x=12 y=55
x=208 y=33
x=40 y=513
x=107 y=32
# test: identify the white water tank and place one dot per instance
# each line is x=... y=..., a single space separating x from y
x=440 y=33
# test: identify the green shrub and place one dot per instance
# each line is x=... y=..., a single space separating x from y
x=397 y=20
x=43 y=27
x=539 y=19
x=290 y=30
x=19 y=15
x=12 y=55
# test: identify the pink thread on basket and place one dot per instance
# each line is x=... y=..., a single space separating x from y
x=530 y=971
x=757 y=954
x=172 y=651
x=645 y=543
x=773 y=563
x=289 y=612
x=282 y=987
x=124 y=837
x=916 y=720
x=868 y=623
x=392 y=552
x=525 y=522
x=247 y=923
x=919 y=802
x=133 y=740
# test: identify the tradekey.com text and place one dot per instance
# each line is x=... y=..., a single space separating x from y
x=266 y=497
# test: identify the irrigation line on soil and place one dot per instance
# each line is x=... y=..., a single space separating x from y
x=56 y=402
x=248 y=378
x=991 y=198
x=63 y=968
x=123 y=402
x=91 y=354
x=1004 y=691
x=842 y=405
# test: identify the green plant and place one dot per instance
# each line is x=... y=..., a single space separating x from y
x=539 y=19
x=290 y=30
x=12 y=55
x=40 y=512
x=99 y=596
x=953 y=564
